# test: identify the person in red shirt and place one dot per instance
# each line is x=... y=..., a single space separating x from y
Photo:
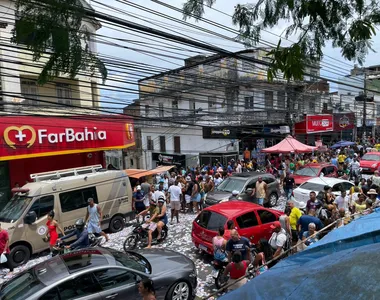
x=4 y=248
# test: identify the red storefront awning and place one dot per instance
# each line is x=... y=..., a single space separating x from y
x=25 y=137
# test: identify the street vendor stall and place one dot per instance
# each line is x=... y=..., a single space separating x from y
x=289 y=145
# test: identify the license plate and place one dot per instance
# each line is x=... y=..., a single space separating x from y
x=202 y=247
x=365 y=169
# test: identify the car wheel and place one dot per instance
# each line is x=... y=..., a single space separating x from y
x=179 y=291
x=116 y=224
x=19 y=255
x=130 y=242
x=273 y=198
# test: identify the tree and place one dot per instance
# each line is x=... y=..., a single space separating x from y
x=348 y=24
x=52 y=30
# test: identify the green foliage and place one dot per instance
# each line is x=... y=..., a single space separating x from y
x=55 y=27
x=349 y=24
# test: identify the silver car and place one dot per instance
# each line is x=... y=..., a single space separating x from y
x=102 y=273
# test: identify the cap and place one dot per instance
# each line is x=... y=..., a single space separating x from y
x=275 y=225
x=235 y=193
x=188 y=178
x=372 y=192
x=138 y=188
x=90 y=199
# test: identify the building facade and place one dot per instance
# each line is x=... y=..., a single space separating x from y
x=214 y=107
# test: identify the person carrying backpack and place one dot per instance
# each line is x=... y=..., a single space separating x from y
x=278 y=241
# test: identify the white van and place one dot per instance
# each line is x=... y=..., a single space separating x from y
x=66 y=192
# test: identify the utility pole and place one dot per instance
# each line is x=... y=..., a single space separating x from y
x=364 y=125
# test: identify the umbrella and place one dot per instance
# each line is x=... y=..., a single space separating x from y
x=343 y=144
x=289 y=145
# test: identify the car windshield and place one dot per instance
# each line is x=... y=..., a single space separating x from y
x=307 y=171
x=372 y=157
x=311 y=186
x=231 y=184
x=21 y=287
x=132 y=260
x=14 y=208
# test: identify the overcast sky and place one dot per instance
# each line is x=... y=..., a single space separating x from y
x=333 y=65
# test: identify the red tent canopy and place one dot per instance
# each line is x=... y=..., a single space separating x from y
x=289 y=145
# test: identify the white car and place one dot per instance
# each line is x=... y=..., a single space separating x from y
x=302 y=193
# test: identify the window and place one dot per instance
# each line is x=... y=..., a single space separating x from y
x=347 y=107
x=53 y=294
x=113 y=278
x=146 y=110
x=210 y=220
x=337 y=187
x=162 y=143
x=281 y=99
x=329 y=170
x=177 y=144
x=247 y=220
x=77 y=199
x=266 y=216
x=325 y=106
x=43 y=206
x=211 y=101
x=94 y=94
x=347 y=186
x=192 y=107
x=310 y=186
x=248 y=102
x=84 y=285
x=63 y=93
x=313 y=75
x=268 y=99
x=311 y=105
x=149 y=143
x=161 y=110
x=29 y=91
x=268 y=180
x=175 y=107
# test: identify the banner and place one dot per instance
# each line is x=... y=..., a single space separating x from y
x=319 y=123
x=260 y=145
x=344 y=121
x=25 y=137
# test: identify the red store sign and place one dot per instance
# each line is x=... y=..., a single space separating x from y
x=319 y=123
x=25 y=137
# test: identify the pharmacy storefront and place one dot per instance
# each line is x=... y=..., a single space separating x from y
x=39 y=144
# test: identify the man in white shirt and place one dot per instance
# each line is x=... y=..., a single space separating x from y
x=174 y=194
x=278 y=239
x=217 y=180
x=342 y=201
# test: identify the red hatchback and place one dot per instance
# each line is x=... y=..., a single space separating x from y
x=313 y=170
x=251 y=221
x=370 y=162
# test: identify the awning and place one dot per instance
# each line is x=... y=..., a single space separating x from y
x=138 y=173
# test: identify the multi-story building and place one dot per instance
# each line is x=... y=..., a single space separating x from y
x=52 y=126
x=215 y=106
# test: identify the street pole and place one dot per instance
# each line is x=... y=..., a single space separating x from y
x=364 y=123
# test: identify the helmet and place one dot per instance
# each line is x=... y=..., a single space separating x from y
x=79 y=224
x=161 y=199
x=153 y=201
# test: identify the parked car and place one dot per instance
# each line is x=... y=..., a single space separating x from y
x=316 y=185
x=244 y=183
x=100 y=273
x=370 y=162
x=251 y=221
x=313 y=170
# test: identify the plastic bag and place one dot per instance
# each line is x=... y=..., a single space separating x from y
x=3 y=259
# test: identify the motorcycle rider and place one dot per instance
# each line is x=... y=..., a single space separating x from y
x=151 y=224
x=162 y=217
x=355 y=168
x=82 y=236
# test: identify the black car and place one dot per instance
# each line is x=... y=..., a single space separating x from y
x=102 y=273
x=244 y=183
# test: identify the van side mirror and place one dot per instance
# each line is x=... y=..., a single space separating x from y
x=249 y=191
x=30 y=217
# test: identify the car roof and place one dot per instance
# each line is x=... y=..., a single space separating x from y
x=376 y=153
x=250 y=174
x=327 y=180
x=233 y=208
x=318 y=165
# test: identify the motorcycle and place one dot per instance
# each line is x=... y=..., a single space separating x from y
x=59 y=248
x=139 y=236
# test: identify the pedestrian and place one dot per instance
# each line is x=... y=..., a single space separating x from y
x=236 y=269
x=52 y=226
x=289 y=185
x=307 y=234
x=278 y=240
x=265 y=254
x=238 y=243
x=188 y=193
x=261 y=191
x=219 y=245
x=305 y=220
x=294 y=216
x=146 y=289
x=138 y=200
x=4 y=249
x=94 y=217
x=174 y=195
x=196 y=196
